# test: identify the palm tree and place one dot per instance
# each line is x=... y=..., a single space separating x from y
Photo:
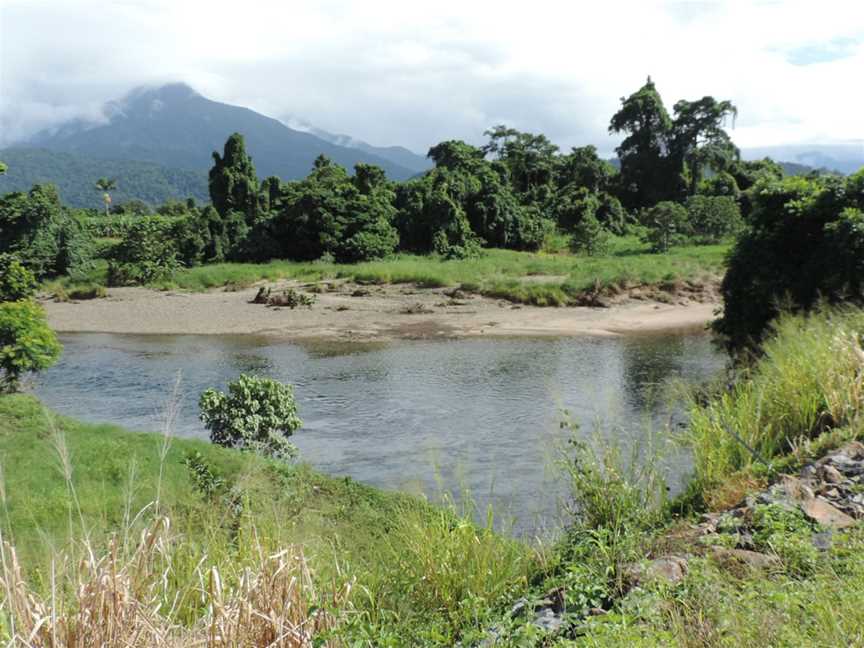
x=106 y=185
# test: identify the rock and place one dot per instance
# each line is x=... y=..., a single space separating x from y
x=822 y=512
x=547 y=620
x=853 y=450
x=830 y=474
x=597 y=611
x=796 y=490
x=752 y=559
x=670 y=569
x=822 y=541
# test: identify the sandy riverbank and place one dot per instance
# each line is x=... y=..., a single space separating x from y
x=351 y=312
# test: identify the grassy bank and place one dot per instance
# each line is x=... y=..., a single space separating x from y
x=413 y=570
x=524 y=277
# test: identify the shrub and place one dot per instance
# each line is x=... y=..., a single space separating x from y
x=16 y=281
x=713 y=218
x=256 y=414
x=805 y=244
x=667 y=224
x=590 y=237
x=147 y=253
x=27 y=343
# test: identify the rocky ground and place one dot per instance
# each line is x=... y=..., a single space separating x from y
x=829 y=492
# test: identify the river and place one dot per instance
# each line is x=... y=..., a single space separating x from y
x=460 y=416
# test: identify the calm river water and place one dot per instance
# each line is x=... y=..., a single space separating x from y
x=425 y=416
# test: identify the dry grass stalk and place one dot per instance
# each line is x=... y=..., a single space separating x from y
x=119 y=601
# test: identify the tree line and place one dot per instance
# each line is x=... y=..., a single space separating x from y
x=680 y=180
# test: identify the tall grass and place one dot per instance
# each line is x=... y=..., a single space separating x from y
x=558 y=278
x=808 y=381
x=130 y=599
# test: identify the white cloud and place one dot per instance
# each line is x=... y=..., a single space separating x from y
x=417 y=73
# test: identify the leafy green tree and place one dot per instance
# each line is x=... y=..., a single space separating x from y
x=698 y=140
x=804 y=245
x=582 y=167
x=16 y=281
x=430 y=216
x=590 y=237
x=233 y=182
x=147 y=253
x=713 y=218
x=27 y=343
x=3 y=168
x=644 y=176
x=331 y=213
x=45 y=236
x=667 y=225
x=530 y=161
x=720 y=184
x=663 y=158
x=106 y=186
x=257 y=414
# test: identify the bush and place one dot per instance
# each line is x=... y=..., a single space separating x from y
x=16 y=281
x=667 y=225
x=27 y=343
x=713 y=218
x=256 y=414
x=147 y=253
x=805 y=244
x=590 y=237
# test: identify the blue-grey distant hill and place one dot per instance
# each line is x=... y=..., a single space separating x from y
x=175 y=127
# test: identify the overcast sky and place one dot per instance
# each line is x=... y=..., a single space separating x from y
x=415 y=73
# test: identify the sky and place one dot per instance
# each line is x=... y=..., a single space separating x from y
x=416 y=73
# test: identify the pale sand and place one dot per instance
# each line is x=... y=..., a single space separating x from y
x=386 y=312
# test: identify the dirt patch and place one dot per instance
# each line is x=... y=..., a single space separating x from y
x=347 y=310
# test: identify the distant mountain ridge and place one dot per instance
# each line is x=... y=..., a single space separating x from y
x=175 y=127
x=396 y=154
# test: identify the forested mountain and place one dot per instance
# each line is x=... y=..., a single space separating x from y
x=76 y=175
x=178 y=128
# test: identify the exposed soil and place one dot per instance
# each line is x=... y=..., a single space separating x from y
x=345 y=310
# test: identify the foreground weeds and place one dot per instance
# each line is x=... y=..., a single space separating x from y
x=809 y=382
x=130 y=599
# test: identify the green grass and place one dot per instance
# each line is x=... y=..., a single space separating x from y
x=418 y=570
x=808 y=382
x=498 y=273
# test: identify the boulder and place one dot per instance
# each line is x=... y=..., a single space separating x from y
x=752 y=559
x=825 y=514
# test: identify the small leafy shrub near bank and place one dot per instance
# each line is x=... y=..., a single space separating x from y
x=146 y=254
x=257 y=414
x=16 y=281
x=27 y=343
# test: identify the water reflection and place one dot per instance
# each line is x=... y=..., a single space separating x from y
x=479 y=414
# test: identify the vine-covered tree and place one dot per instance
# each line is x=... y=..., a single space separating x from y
x=805 y=244
x=664 y=159
x=233 y=182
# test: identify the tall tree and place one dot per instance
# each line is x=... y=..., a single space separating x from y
x=699 y=139
x=643 y=153
x=106 y=186
x=233 y=182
